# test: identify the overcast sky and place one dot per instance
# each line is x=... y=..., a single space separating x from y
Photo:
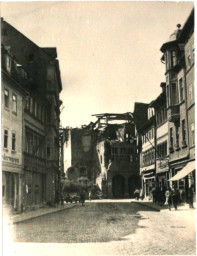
x=109 y=52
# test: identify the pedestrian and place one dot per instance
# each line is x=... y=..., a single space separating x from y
x=82 y=197
x=169 y=197
x=167 y=194
x=137 y=194
x=190 y=196
x=153 y=195
x=175 y=196
x=90 y=195
x=141 y=194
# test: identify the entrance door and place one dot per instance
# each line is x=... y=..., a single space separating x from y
x=118 y=186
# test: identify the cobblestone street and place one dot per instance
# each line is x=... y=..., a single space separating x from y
x=111 y=228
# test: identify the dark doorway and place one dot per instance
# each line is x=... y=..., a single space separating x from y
x=133 y=184
x=118 y=186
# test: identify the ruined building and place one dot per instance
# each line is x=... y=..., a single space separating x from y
x=117 y=168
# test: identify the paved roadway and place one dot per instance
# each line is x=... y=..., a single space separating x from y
x=110 y=228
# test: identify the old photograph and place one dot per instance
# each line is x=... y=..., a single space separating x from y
x=98 y=128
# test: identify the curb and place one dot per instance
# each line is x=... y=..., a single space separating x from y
x=148 y=206
x=42 y=214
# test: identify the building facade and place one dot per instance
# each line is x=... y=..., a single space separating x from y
x=161 y=141
x=40 y=74
x=179 y=61
x=147 y=133
x=12 y=98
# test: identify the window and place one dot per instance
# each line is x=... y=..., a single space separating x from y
x=14 y=103
x=31 y=105
x=6 y=98
x=173 y=58
x=101 y=159
x=189 y=62
x=191 y=94
x=174 y=98
x=171 y=137
x=192 y=134
x=8 y=63
x=5 y=144
x=168 y=96
x=27 y=103
x=183 y=132
x=35 y=108
x=13 y=141
x=181 y=89
x=177 y=137
x=166 y=59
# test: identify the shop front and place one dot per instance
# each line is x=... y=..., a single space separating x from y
x=183 y=179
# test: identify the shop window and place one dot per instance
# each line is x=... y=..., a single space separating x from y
x=6 y=98
x=5 y=143
x=14 y=103
x=13 y=141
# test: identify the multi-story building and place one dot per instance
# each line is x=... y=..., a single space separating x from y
x=118 y=171
x=79 y=153
x=178 y=56
x=147 y=152
x=161 y=142
x=12 y=99
x=41 y=115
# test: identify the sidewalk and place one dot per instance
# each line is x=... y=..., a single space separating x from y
x=184 y=212
x=17 y=218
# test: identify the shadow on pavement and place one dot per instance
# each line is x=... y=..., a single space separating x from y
x=93 y=223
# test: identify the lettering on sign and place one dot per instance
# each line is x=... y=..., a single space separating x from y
x=162 y=165
x=10 y=159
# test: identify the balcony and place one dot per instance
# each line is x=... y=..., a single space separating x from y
x=173 y=113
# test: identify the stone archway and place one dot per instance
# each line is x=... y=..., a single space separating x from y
x=118 y=186
x=133 y=184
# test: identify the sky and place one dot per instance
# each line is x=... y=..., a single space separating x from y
x=109 y=52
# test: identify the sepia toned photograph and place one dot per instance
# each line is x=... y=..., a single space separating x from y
x=98 y=128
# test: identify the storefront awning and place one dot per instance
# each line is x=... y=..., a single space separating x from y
x=190 y=167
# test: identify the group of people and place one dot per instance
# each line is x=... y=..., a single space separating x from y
x=171 y=196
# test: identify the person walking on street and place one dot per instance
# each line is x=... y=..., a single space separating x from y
x=169 y=197
x=175 y=196
x=90 y=195
x=190 y=196
x=82 y=197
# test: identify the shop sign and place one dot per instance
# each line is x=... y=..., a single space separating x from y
x=10 y=159
x=162 y=165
